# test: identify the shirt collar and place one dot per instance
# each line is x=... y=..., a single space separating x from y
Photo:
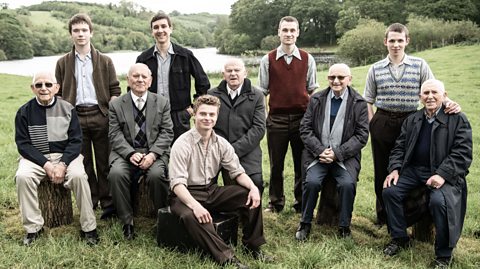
x=197 y=137
x=169 y=50
x=237 y=91
x=281 y=53
x=135 y=98
x=87 y=56
x=332 y=95
x=432 y=119
x=406 y=60
x=49 y=104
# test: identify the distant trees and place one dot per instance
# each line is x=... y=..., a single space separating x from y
x=14 y=42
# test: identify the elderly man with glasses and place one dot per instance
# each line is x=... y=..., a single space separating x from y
x=334 y=130
x=49 y=140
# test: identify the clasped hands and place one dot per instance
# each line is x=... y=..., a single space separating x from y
x=55 y=172
x=327 y=156
x=142 y=160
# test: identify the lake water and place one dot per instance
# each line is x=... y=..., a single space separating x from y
x=208 y=57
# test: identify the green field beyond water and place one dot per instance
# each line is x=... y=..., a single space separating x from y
x=458 y=67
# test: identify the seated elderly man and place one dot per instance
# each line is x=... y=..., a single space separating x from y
x=140 y=134
x=334 y=130
x=433 y=149
x=49 y=140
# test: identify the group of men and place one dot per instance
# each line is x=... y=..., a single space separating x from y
x=146 y=133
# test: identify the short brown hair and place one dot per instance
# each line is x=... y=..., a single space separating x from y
x=397 y=27
x=288 y=19
x=80 y=18
x=206 y=99
x=160 y=16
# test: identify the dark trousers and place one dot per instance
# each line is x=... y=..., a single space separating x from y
x=257 y=179
x=394 y=197
x=95 y=134
x=385 y=128
x=283 y=129
x=346 y=188
x=122 y=176
x=230 y=198
x=181 y=122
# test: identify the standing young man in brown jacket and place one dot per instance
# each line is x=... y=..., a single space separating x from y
x=88 y=81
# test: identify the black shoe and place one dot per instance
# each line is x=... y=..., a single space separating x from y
x=258 y=254
x=273 y=208
x=30 y=237
x=344 y=232
x=128 y=232
x=90 y=237
x=108 y=213
x=441 y=262
x=303 y=231
x=235 y=263
x=297 y=206
x=397 y=244
x=477 y=234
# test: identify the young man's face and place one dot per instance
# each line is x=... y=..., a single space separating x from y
x=396 y=43
x=81 y=34
x=288 y=32
x=206 y=117
x=161 y=31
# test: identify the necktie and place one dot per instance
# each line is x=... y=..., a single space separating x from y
x=140 y=103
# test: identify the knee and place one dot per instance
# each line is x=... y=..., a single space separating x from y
x=312 y=185
x=347 y=186
x=437 y=200
x=388 y=194
x=22 y=180
x=117 y=174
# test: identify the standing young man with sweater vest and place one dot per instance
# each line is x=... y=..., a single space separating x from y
x=172 y=67
x=88 y=81
x=288 y=74
x=393 y=86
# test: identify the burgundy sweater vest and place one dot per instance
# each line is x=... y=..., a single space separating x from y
x=288 y=84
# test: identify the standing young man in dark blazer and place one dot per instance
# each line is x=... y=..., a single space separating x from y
x=88 y=81
x=172 y=67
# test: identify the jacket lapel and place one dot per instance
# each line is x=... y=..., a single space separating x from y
x=127 y=109
x=151 y=112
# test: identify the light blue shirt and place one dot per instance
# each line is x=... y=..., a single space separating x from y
x=86 y=95
x=163 y=70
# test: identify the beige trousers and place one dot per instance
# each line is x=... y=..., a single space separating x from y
x=28 y=177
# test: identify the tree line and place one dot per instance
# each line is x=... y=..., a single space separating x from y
x=355 y=26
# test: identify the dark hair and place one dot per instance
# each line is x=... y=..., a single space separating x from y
x=160 y=16
x=80 y=18
x=288 y=19
x=397 y=27
x=206 y=99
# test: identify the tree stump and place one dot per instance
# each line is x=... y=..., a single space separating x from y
x=328 y=212
x=55 y=203
x=142 y=204
x=417 y=215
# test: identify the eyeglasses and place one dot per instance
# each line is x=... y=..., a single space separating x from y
x=40 y=85
x=340 y=78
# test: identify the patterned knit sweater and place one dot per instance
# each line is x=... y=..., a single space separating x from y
x=399 y=95
x=40 y=130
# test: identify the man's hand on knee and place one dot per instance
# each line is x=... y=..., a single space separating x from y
x=202 y=214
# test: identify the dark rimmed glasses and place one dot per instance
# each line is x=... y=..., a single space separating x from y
x=340 y=78
x=39 y=85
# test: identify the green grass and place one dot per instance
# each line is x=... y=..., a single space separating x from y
x=45 y=18
x=458 y=67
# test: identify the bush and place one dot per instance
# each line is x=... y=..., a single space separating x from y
x=364 y=44
x=3 y=57
x=269 y=42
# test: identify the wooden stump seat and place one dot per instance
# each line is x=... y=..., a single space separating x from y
x=142 y=204
x=55 y=203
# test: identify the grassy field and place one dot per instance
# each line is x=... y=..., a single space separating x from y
x=458 y=67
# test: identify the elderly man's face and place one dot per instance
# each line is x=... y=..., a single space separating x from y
x=338 y=78
x=234 y=73
x=139 y=79
x=44 y=87
x=432 y=97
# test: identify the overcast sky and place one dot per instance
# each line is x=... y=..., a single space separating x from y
x=183 y=6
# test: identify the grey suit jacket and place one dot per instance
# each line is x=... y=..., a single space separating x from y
x=159 y=126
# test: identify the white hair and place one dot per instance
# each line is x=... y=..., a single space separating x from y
x=434 y=82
